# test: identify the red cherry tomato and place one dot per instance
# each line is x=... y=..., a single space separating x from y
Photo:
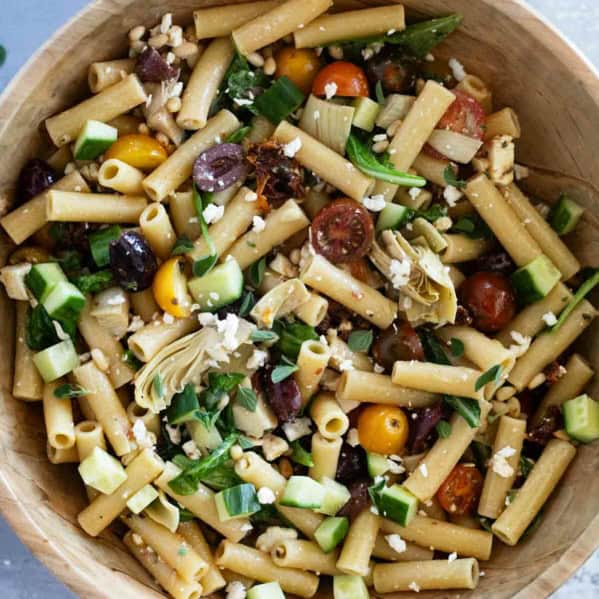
x=461 y=490
x=490 y=300
x=351 y=81
x=399 y=342
x=342 y=231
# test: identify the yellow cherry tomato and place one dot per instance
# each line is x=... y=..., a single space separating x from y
x=138 y=150
x=299 y=65
x=383 y=429
x=170 y=288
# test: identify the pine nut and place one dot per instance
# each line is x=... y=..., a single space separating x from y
x=143 y=129
x=157 y=41
x=186 y=50
x=137 y=33
x=256 y=59
x=393 y=127
x=270 y=66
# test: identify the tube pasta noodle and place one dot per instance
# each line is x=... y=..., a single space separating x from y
x=27 y=382
x=325 y=455
x=359 y=543
x=158 y=230
x=151 y=421
x=219 y=21
x=306 y=521
x=461 y=248
x=62 y=456
x=183 y=214
x=350 y=25
x=305 y=555
x=412 y=553
x=120 y=176
x=341 y=354
x=104 y=74
x=313 y=310
x=432 y=169
x=105 y=106
x=328 y=416
x=251 y=468
x=510 y=434
x=433 y=574
x=416 y=128
x=312 y=360
x=280 y=225
x=549 y=241
x=327 y=164
x=144 y=305
x=174 y=171
x=58 y=417
x=88 y=435
x=441 y=458
x=202 y=87
x=474 y=86
x=275 y=24
x=279 y=301
x=502 y=220
x=547 y=347
x=333 y=282
x=502 y=122
x=535 y=491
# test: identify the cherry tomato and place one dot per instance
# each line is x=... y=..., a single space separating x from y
x=383 y=429
x=359 y=269
x=399 y=342
x=170 y=288
x=300 y=65
x=138 y=150
x=342 y=231
x=396 y=73
x=350 y=80
x=490 y=300
x=461 y=490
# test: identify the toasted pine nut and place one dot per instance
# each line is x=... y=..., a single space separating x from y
x=137 y=33
x=270 y=66
x=256 y=59
x=157 y=41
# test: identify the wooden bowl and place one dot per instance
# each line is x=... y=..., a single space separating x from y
x=528 y=65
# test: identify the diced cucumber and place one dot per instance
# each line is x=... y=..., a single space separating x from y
x=204 y=438
x=581 y=418
x=64 y=302
x=564 y=216
x=349 y=587
x=102 y=472
x=42 y=278
x=398 y=504
x=392 y=216
x=377 y=464
x=366 y=112
x=302 y=491
x=95 y=138
x=269 y=590
x=142 y=499
x=535 y=280
x=331 y=532
x=237 y=502
x=99 y=244
x=220 y=287
x=56 y=360
x=335 y=497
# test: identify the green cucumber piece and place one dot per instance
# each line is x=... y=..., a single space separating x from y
x=302 y=491
x=99 y=244
x=335 y=497
x=398 y=504
x=331 y=532
x=535 y=280
x=42 y=278
x=237 y=502
x=204 y=438
x=392 y=216
x=349 y=587
x=564 y=216
x=102 y=472
x=365 y=114
x=142 y=499
x=183 y=406
x=269 y=590
x=581 y=418
x=65 y=302
x=56 y=360
x=221 y=286
x=377 y=464
x=95 y=138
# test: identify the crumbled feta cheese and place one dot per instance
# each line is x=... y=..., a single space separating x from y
x=451 y=195
x=251 y=196
x=266 y=495
x=228 y=328
x=394 y=467
x=549 y=318
x=346 y=365
x=235 y=590
x=499 y=463
x=457 y=69
x=396 y=543
x=378 y=368
x=174 y=434
x=429 y=57
x=375 y=203
x=140 y=434
x=423 y=470
x=258 y=224
x=330 y=89
x=213 y=213
x=400 y=272
x=452 y=557
x=300 y=427
x=257 y=359
x=207 y=318
x=292 y=148
x=522 y=343
x=414 y=587
x=243 y=102
x=353 y=437
x=246 y=527
x=316 y=115
x=380 y=137
x=191 y=450
x=414 y=192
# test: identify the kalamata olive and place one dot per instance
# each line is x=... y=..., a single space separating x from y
x=284 y=398
x=36 y=176
x=72 y=236
x=543 y=432
x=219 y=167
x=351 y=464
x=151 y=67
x=490 y=300
x=497 y=262
x=336 y=314
x=395 y=72
x=132 y=261
x=359 y=500
x=399 y=342
x=423 y=425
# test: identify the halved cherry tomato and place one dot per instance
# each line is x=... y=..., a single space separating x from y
x=351 y=81
x=138 y=150
x=359 y=269
x=399 y=342
x=342 y=231
x=300 y=65
x=461 y=490
x=383 y=429
x=170 y=288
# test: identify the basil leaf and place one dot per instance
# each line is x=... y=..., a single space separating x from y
x=281 y=372
x=432 y=348
x=472 y=226
x=256 y=272
x=443 y=429
x=259 y=336
x=247 y=303
x=451 y=178
x=526 y=465
x=222 y=477
x=158 y=386
x=360 y=341
x=246 y=398
x=300 y=455
x=182 y=246
x=467 y=408
x=493 y=374
x=130 y=358
x=68 y=390
x=225 y=381
x=204 y=265
x=39 y=330
x=292 y=335
x=238 y=135
x=457 y=348
x=185 y=515
x=432 y=214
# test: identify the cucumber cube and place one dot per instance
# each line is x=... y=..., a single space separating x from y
x=377 y=464
x=564 y=216
x=237 y=502
x=204 y=438
x=64 y=302
x=335 y=496
x=302 y=491
x=331 y=532
x=142 y=499
x=535 y=280
x=365 y=114
x=42 y=278
x=56 y=360
x=349 y=587
x=220 y=287
x=102 y=472
x=270 y=590
x=398 y=504
x=95 y=138
x=581 y=418
x=392 y=216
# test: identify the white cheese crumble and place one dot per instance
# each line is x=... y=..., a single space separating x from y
x=414 y=587
x=213 y=213
x=451 y=195
x=353 y=437
x=228 y=328
x=330 y=89
x=292 y=148
x=258 y=224
x=414 y=192
x=235 y=590
x=400 y=272
x=257 y=359
x=522 y=343
x=191 y=450
x=457 y=69
x=300 y=427
x=378 y=368
x=266 y=495
x=452 y=557
x=396 y=543
x=499 y=462
x=346 y=365
x=423 y=470
x=549 y=318
x=316 y=114
x=242 y=102
x=140 y=434
x=251 y=196
x=375 y=203
x=174 y=434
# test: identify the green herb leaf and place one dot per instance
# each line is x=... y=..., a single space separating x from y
x=467 y=408
x=360 y=341
x=300 y=455
x=246 y=398
x=68 y=390
x=281 y=99
x=130 y=358
x=432 y=348
x=526 y=465
x=580 y=294
x=472 y=226
x=71 y=261
x=379 y=93
x=205 y=264
x=482 y=453
x=94 y=282
x=222 y=477
x=451 y=178
x=183 y=406
x=182 y=246
x=241 y=79
x=225 y=381
x=238 y=136
x=39 y=330
x=486 y=523
x=158 y=386
x=256 y=272
x=457 y=348
x=434 y=213
x=291 y=336
x=247 y=303
x=185 y=515
x=374 y=491
x=282 y=371
x=493 y=374
x=443 y=429
x=259 y=336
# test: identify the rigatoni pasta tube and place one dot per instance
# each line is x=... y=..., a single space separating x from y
x=58 y=418
x=372 y=387
x=542 y=232
x=144 y=305
x=412 y=552
x=150 y=420
x=426 y=575
x=105 y=508
x=510 y=436
x=477 y=88
x=73 y=206
x=106 y=406
x=440 y=460
x=443 y=536
x=354 y=24
x=104 y=74
x=202 y=87
x=88 y=435
x=105 y=106
x=461 y=248
x=325 y=455
x=535 y=491
x=257 y=565
x=278 y=22
x=219 y=21
x=328 y=416
x=432 y=169
x=27 y=383
x=120 y=176
x=340 y=353
x=359 y=543
x=502 y=122
x=184 y=216
x=312 y=359
x=502 y=220
x=158 y=230
x=305 y=555
x=252 y=468
x=333 y=282
x=313 y=311
x=150 y=339
x=416 y=128
x=61 y=456
x=168 y=579
x=327 y=164
x=548 y=346
x=176 y=169
x=306 y=521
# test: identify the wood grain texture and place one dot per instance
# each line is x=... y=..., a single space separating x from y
x=528 y=65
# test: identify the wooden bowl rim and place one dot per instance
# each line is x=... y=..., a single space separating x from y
x=15 y=511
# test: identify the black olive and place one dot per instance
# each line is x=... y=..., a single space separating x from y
x=151 y=67
x=351 y=464
x=219 y=167
x=284 y=397
x=36 y=176
x=132 y=261
x=394 y=71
